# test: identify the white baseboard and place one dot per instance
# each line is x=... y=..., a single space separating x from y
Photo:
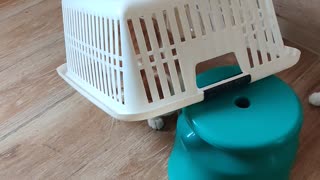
x=300 y=35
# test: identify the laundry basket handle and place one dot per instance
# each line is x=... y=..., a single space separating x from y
x=237 y=81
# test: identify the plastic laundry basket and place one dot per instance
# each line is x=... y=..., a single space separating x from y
x=137 y=59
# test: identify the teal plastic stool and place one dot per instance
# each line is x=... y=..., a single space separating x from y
x=250 y=133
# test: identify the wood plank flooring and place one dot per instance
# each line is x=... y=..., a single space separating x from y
x=49 y=131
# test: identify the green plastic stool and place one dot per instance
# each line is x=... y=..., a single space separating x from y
x=250 y=133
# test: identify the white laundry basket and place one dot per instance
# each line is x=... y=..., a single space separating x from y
x=136 y=59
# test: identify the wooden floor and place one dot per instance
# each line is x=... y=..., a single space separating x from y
x=49 y=131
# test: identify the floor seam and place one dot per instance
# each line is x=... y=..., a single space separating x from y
x=36 y=116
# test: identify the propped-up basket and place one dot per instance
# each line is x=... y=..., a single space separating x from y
x=137 y=59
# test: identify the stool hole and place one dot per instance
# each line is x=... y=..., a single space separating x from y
x=242 y=102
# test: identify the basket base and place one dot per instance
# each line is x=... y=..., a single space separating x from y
x=126 y=116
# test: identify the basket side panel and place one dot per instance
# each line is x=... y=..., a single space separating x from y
x=94 y=52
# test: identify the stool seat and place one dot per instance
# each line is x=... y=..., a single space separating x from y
x=258 y=115
x=249 y=133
